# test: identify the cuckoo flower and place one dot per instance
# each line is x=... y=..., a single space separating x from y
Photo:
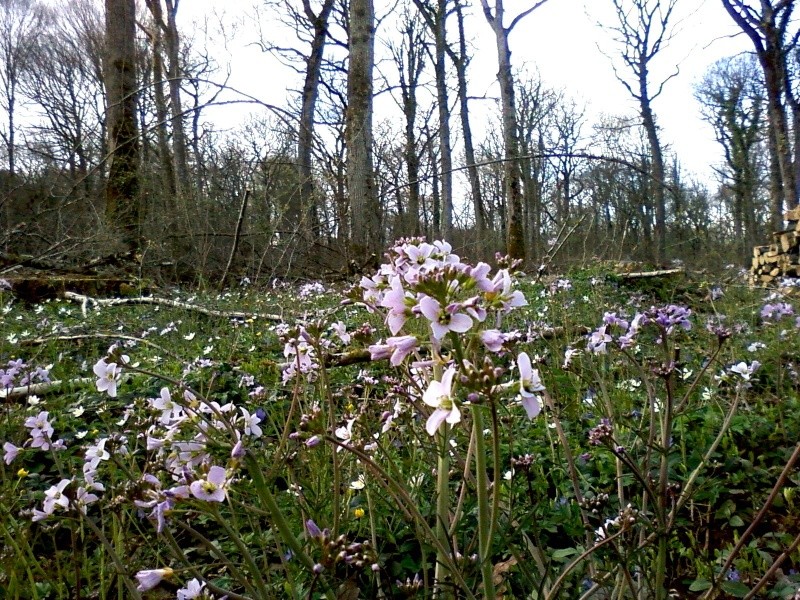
x=193 y=589
x=440 y=396
x=212 y=488
x=108 y=376
x=395 y=348
x=444 y=319
x=530 y=383
x=396 y=301
x=148 y=579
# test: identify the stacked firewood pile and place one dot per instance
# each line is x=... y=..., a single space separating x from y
x=782 y=257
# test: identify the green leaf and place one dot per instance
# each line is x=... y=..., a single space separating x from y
x=736 y=521
x=698 y=585
x=735 y=588
x=564 y=553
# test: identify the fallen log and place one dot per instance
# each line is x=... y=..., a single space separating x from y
x=43 y=388
x=87 y=301
x=646 y=274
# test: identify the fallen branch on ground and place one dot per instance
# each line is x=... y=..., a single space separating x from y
x=43 y=388
x=646 y=274
x=87 y=301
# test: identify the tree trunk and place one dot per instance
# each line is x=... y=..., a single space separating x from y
x=460 y=63
x=162 y=116
x=296 y=217
x=442 y=100
x=515 y=237
x=657 y=168
x=123 y=208
x=365 y=238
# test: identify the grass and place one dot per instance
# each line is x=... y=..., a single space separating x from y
x=645 y=467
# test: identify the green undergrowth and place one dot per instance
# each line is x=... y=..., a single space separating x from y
x=347 y=450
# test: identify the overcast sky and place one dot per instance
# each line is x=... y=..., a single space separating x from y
x=561 y=40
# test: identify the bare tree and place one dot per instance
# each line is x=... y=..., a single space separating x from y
x=164 y=18
x=766 y=23
x=515 y=236
x=732 y=97
x=409 y=56
x=366 y=239
x=20 y=21
x=123 y=207
x=461 y=60
x=435 y=16
x=643 y=29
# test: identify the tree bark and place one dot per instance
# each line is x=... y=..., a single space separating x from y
x=766 y=26
x=460 y=63
x=296 y=217
x=123 y=205
x=365 y=238
x=515 y=236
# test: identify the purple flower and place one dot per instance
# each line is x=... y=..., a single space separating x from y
x=776 y=311
x=313 y=530
x=493 y=339
x=598 y=341
x=11 y=452
x=213 y=487
x=439 y=396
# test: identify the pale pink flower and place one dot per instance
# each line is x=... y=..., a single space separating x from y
x=444 y=319
x=149 y=579
x=55 y=497
x=530 y=383
x=439 y=396
x=107 y=377
x=251 y=423
x=96 y=453
x=11 y=452
x=396 y=300
x=396 y=349
x=213 y=487
x=193 y=589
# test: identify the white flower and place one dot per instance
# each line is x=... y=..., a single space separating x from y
x=439 y=396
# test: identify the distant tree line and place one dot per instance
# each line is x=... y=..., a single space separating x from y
x=108 y=148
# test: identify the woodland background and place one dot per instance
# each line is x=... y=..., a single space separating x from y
x=108 y=157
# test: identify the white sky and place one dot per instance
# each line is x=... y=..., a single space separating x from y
x=561 y=40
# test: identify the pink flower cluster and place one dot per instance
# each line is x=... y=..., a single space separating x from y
x=426 y=287
x=429 y=282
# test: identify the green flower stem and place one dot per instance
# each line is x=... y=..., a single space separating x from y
x=552 y=594
x=255 y=572
x=465 y=481
x=407 y=505
x=195 y=572
x=496 y=468
x=661 y=513
x=442 y=508
x=485 y=525
x=326 y=391
x=112 y=553
x=280 y=520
